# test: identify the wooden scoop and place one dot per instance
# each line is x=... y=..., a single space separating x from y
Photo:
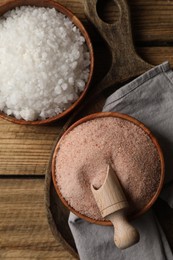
x=113 y=205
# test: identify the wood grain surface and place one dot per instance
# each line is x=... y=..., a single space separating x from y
x=24 y=230
x=25 y=150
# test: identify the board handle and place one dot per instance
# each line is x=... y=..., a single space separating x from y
x=125 y=235
x=126 y=63
x=110 y=31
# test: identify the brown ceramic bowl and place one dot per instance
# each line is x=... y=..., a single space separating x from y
x=132 y=120
x=51 y=4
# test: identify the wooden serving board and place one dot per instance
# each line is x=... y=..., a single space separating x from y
x=125 y=65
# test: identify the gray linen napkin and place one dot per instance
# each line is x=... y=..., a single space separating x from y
x=95 y=242
x=149 y=98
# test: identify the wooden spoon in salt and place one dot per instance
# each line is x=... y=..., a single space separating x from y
x=113 y=205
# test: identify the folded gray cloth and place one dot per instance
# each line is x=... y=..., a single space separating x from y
x=95 y=242
x=149 y=98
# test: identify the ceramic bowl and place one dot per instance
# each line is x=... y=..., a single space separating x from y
x=51 y=4
x=133 y=121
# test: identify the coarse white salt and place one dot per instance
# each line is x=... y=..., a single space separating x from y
x=85 y=152
x=44 y=63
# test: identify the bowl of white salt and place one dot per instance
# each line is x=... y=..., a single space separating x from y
x=46 y=61
x=85 y=150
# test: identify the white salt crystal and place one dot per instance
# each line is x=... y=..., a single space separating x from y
x=9 y=112
x=58 y=89
x=71 y=81
x=80 y=84
x=17 y=114
x=64 y=86
x=60 y=81
x=70 y=97
x=74 y=65
x=28 y=114
x=44 y=63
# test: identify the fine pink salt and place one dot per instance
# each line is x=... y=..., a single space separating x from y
x=85 y=153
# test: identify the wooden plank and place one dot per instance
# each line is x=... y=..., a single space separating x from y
x=25 y=150
x=152 y=20
x=156 y=55
x=24 y=230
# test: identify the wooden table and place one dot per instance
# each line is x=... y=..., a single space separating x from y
x=25 y=150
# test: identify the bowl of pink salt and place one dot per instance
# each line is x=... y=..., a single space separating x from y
x=84 y=151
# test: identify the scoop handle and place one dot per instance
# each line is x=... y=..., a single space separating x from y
x=125 y=235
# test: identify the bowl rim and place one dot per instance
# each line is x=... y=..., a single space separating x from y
x=76 y=21
x=137 y=123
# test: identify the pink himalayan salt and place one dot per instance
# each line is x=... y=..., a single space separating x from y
x=85 y=153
